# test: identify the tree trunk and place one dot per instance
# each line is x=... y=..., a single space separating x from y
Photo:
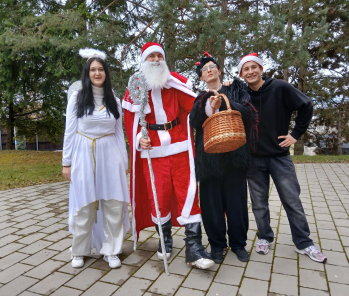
x=299 y=146
x=339 y=133
x=10 y=126
x=301 y=79
x=170 y=43
x=288 y=32
x=286 y=74
x=303 y=68
x=221 y=56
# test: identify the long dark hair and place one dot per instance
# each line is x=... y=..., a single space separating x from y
x=85 y=103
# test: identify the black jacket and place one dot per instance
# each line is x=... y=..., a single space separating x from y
x=218 y=165
x=275 y=102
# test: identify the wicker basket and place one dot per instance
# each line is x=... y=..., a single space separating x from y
x=224 y=131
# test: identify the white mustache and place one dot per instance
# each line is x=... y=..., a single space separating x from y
x=154 y=64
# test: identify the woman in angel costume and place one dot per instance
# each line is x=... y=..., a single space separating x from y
x=95 y=162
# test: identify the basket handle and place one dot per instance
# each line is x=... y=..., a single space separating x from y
x=226 y=102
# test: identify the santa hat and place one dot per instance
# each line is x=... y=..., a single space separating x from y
x=252 y=57
x=89 y=53
x=151 y=47
x=204 y=61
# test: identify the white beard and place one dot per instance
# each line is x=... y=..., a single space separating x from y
x=156 y=73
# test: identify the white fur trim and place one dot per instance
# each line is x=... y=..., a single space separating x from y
x=208 y=108
x=189 y=84
x=249 y=59
x=191 y=219
x=160 y=116
x=188 y=205
x=163 y=151
x=138 y=139
x=177 y=84
x=151 y=49
x=163 y=220
x=135 y=108
x=90 y=52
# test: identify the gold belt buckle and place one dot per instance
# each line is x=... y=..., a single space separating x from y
x=165 y=126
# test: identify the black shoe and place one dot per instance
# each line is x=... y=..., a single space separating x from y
x=242 y=254
x=217 y=255
x=166 y=231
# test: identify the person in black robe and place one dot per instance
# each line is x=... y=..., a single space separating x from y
x=222 y=176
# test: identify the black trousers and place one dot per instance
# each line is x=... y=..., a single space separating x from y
x=225 y=196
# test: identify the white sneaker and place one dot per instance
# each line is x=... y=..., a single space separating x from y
x=313 y=253
x=203 y=263
x=77 y=261
x=161 y=257
x=113 y=260
x=262 y=247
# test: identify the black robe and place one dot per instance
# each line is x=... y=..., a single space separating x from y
x=218 y=165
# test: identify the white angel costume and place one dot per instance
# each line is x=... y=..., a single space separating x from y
x=94 y=146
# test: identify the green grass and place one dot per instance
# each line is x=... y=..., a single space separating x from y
x=26 y=168
x=321 y=159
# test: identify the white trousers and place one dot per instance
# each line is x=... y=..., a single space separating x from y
x=112 y=224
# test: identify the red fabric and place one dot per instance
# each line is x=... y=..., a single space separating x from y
x=254 y=54
x=176 y=104
x=171 y=176
x=148 y=44
x=141 y=185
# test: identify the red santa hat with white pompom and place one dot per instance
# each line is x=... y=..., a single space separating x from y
x=175 y=80
x=151 y=47
x=252 y=57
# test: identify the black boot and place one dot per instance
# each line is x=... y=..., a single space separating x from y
x=166 y=230
x=195 y=252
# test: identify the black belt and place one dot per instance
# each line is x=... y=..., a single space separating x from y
x=166 y=126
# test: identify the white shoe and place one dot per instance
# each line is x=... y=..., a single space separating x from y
x=113 y=260
x=313 y=253
x=161 y=257
x=77 y=261
x=262 y=247
x=203 y=263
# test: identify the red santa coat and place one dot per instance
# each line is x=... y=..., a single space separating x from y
x=174 y=100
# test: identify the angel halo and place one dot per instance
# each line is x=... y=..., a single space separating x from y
x=89 y=53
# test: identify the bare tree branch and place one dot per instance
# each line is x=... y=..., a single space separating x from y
x=28 y=113
x=91 y=3
x=135 y=3
x=107 y=8
x=128 y=45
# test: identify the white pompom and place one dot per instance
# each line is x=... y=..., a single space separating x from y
x=90 y=53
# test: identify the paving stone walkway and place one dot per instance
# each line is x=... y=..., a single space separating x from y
x=34 y=243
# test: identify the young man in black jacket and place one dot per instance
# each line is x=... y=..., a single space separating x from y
x=222 y=176
x=275 y=101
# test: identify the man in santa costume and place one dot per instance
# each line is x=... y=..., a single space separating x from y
x=170 y=144
x=275 y=101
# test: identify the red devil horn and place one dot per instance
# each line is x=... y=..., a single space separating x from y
x=197 y=63
x=207 y=54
